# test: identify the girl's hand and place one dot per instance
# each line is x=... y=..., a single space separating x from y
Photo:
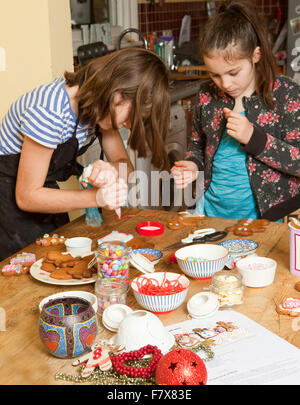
x=113 y=195
x=184 y=172
x=238 y=126
x=103 y=174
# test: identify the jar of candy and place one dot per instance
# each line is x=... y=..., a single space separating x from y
x=110 y=291
x=228 y=287
x=113 y=260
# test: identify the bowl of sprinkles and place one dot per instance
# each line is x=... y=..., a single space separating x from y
x=202 y=261
x=160 y=292
x=239 y=248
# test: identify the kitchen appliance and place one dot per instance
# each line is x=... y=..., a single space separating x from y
x=293 y=40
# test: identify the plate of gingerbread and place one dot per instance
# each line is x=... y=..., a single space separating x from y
x=62 y=268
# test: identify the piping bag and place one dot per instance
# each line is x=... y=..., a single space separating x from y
x=93 y=217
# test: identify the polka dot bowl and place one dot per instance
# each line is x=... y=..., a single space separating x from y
x=202 y=261
x=239 y=248
x=150 y=252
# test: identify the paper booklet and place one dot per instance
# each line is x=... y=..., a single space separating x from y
x=245 y=352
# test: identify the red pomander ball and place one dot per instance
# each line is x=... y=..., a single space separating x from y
x=181 y=367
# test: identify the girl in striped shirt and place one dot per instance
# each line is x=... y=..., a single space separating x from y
x=46 y=129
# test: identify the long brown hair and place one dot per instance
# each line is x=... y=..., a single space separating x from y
x=141 y=77
x=237 y=23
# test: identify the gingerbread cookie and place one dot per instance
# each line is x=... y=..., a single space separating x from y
x=65 y=266
x=14 y=270
x=297 y=286
x=26 y=259
x=19 y=264
x=80 y=270
x=185 y=219
x=149 y=256
x=48 y=240
x=58 y=258
x=246 y=227
x=61 y=274
x=289 y=306
x=49 y=267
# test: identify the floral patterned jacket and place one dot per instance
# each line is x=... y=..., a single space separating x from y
x=273 y=152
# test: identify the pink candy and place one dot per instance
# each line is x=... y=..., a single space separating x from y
x=10 y=269
x=27 y=258
x=256 y=266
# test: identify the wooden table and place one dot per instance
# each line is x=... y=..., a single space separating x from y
x=23 y=359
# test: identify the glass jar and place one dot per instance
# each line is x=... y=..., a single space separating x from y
x=113 y=260
x=228 y=287
x=110 y=291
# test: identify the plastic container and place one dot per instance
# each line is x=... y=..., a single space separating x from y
x=228 y=287
x=294 y=248
x=110 y=291
x=78 y=245
x=257 y=271
x=203 y=304
x=113 y=260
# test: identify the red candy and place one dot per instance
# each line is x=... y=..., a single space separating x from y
x=151 y=286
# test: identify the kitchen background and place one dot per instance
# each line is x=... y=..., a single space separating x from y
x=41 y=40
x=175 y=24
x=169 y=15
x=179 y=19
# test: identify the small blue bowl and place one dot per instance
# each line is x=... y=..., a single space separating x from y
x=154 y=252
x=239 y=248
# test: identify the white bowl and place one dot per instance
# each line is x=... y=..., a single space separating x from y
x=208 y=259
x=202 y=304
x=161 y=303
x=81 y=294
x=140 y=328
x=78 y=245
x=257 y=271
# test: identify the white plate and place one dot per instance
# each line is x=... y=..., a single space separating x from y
x=114 y=315
x=109 y=327
x=44 y=276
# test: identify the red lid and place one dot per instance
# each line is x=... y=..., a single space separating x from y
x=150 y=228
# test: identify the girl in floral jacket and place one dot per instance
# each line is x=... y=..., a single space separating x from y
x=246 y=129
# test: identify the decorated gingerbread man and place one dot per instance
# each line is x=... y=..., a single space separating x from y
x=183 y=219
x=99 y=357
x=246 y=226
x=48 y=240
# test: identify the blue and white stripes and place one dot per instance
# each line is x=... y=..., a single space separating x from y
x=44 y=115
x=208 y=259
x=161 y=303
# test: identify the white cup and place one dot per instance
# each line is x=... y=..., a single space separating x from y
x=78 y=245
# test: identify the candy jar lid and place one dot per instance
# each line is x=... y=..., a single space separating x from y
x=113 y=249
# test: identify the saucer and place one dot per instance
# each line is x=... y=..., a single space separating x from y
x=205 y=315
x=114 y=315
x=203 y=304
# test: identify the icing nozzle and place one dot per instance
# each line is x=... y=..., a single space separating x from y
x=118 y=212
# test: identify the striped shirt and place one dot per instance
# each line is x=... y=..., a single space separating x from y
x=44 y=115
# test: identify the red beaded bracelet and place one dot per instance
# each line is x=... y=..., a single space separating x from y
x=118 y=361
